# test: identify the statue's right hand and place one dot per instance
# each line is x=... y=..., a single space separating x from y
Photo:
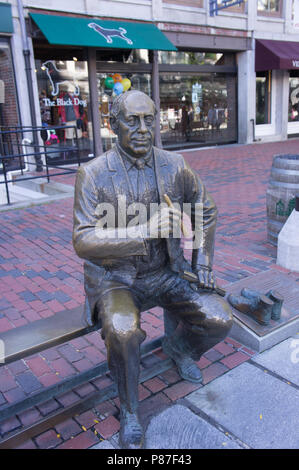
x=164 y=223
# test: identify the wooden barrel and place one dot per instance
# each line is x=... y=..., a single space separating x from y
x=281 y=193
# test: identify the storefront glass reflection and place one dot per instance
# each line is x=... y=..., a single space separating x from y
x=9 y=116
x=106 y=82
x=190 y=58
x=263 y=97
x=126 y=56
x=294 y=98
x=268 y=5
x=197 y=108
x=64 y=101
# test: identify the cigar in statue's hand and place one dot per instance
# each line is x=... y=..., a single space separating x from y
x=169 y=203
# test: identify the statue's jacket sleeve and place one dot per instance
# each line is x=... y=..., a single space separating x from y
x=90 y=241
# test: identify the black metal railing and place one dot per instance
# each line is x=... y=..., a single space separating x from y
x=24 y=147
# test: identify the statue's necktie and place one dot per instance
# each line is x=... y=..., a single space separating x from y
x=141 y=182
x=140 y=164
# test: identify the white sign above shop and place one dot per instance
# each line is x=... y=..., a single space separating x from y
x=65 y=102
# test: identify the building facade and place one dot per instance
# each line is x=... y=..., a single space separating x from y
x=216 y=79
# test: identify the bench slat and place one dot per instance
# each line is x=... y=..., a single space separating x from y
x=43 y=334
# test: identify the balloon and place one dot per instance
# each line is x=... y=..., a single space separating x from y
x=117 y=77
x=109 y=82
x=118 y=88
x=126 y=83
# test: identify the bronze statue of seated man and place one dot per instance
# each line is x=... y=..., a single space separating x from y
x=130 y=268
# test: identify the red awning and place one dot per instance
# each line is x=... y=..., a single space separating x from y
x=275 y=55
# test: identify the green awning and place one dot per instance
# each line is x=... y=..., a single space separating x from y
x=89 y=32
x=6 y=25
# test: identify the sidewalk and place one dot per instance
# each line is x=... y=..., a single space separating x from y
x=238 y=404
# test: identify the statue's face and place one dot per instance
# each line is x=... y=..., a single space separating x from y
x=136 y=125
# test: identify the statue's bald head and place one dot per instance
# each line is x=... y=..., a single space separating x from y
x=119 y=104
x=132 y=118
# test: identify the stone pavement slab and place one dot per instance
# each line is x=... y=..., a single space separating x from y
x=103 y=445
x=257 y=408
x=179 y=428
x=283 y=359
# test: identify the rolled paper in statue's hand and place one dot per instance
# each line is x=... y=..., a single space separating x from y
x=169 y=203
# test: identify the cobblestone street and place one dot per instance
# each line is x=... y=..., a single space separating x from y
x=41 y=275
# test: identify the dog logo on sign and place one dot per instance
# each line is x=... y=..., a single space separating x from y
x=109 y=33
x=56 y=78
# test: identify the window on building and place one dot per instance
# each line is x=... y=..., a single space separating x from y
x=197 y=108
x=191 y=3
x=295 y=14
x=269 y=6
x=8 y=98
x=9 y=112
x=263 y=97
x=241 y=8
x=190 y=58
x=106 y=83
x=126 y=56
x=119 y=70
x=294 y=97
x=65 y=106
x=10 y=139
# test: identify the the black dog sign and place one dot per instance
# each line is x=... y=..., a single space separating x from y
x=108 y=34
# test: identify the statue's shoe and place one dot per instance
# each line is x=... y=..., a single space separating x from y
x=259 y=308
x=245 y=303
x=131 y=434
x=273 y=295
x=277 y=299
x=250 y=293
x=187 y=368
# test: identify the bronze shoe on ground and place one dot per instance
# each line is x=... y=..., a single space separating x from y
x=131 y=434
x=273 y=295
x=277 y=298
x=187 y=368
x=257 y=307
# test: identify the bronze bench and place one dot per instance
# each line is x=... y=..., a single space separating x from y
x=42 y=334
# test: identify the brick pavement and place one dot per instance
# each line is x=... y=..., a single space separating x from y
x=36 y=283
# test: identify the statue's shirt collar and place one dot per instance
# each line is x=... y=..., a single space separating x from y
x=138 y=162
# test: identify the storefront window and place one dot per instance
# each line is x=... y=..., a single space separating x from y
x=191 y=3
x=197 y=108
x=106 y=82
x=64 y=101
x=9 y=116
x=263 y=97
x=295 y=14
x=190 y=58
x=268 y=6
x=294 y=97
x=8 y=97
x=126 y=56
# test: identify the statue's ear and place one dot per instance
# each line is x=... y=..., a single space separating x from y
x=114 y=124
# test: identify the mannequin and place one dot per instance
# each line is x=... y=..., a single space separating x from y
x=69 y=113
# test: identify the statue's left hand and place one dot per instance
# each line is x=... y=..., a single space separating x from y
x=206 y=278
